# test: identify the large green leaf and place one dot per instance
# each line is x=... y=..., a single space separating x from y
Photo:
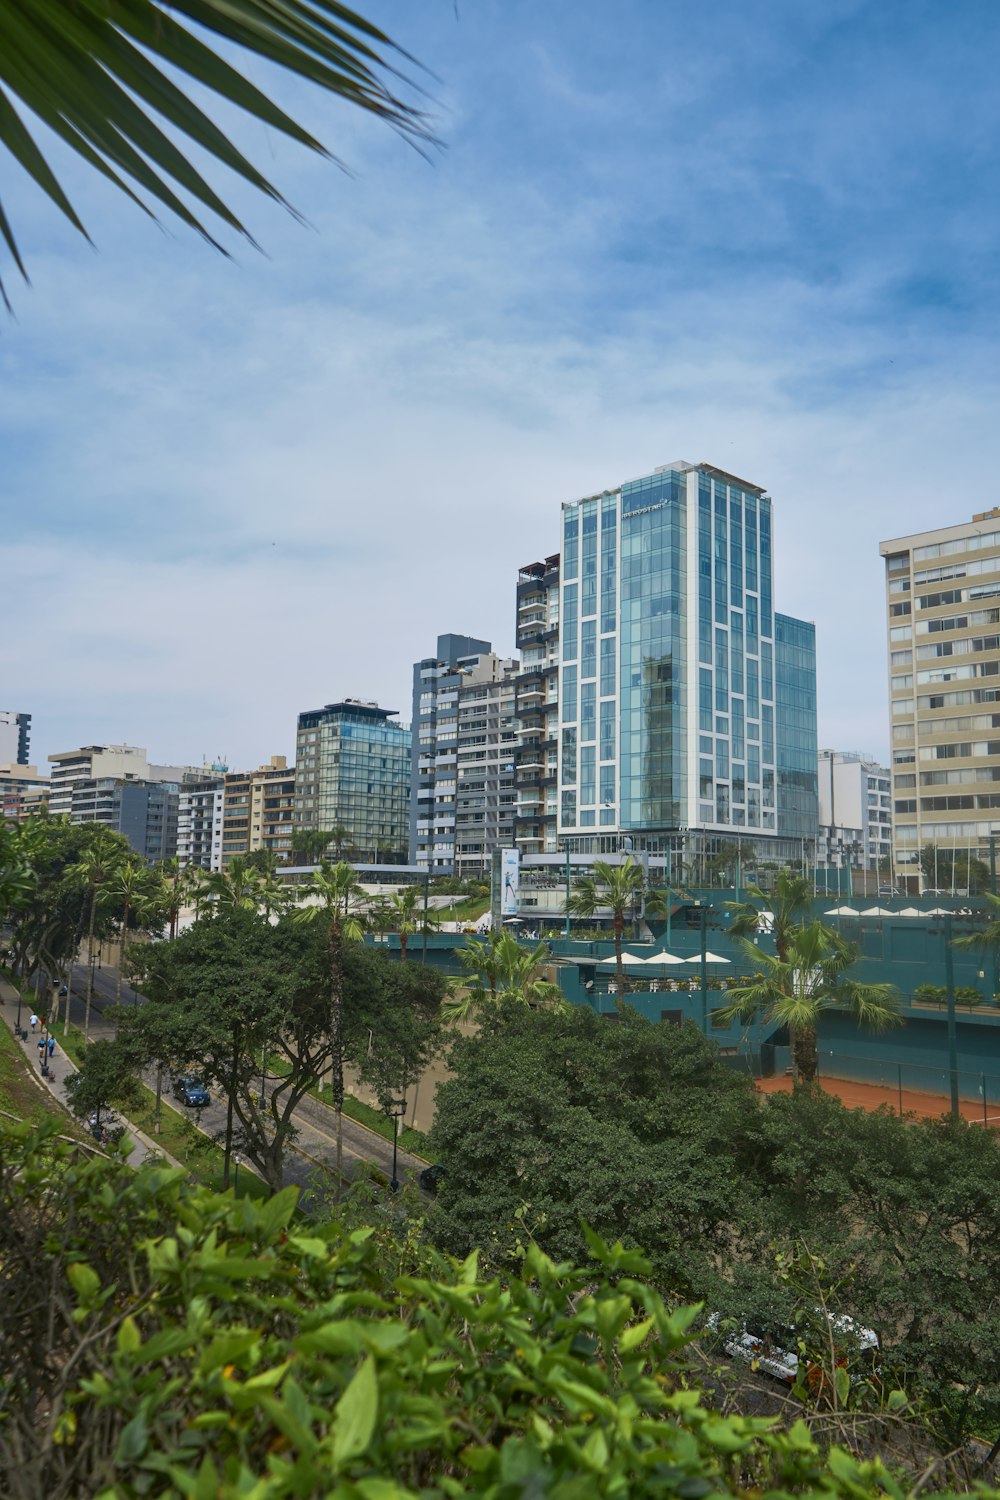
x=89 y=70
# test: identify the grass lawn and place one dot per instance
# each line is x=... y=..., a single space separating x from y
x=196 y=1151
x=19 y=1095
x=469 y=910
x=410 y=1140
x=70 y=1040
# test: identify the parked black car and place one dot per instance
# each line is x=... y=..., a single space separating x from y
x=430 y=1177
x=192 y=1091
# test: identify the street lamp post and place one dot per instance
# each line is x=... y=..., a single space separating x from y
x=949 y=977
x=397 y=1109
x=703 y=921
x=427 y=893
x=236 y=1175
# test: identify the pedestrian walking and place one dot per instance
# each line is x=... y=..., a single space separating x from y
x=51 y=1045
x=34 y=1020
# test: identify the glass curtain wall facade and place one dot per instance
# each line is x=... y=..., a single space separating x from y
x=798 y=764
x=352 y=771
x=668 y=692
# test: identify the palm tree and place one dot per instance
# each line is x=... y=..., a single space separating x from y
x=130 y=883
x=988 y=938
x=88 y=71
x=177 y=880
x=786 y=906
x=618 y=887
x=794 y=991
x=239 y=887
x=402 y=913
x=94 y=870
x=338 y=894
x=503 y=970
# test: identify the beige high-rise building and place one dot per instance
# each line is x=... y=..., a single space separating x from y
x=257 y=810
x=943 y=620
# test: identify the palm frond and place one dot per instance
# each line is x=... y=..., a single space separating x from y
x=89 y=71
x=873 y=1005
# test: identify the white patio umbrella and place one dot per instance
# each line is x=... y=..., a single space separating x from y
x=657 y=959
x=629 y=961
x=842 y=911
x=710 y=958
x=876 y=911
x=938 y=911
x=908 y=911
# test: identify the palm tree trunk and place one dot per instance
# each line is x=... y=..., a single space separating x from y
x=90 y=964
x=336 y=965
x=403 y=935
x=619 y=966
x=159 y=1095
x=805 y=1056
x=230 y=1095
x=121 y=955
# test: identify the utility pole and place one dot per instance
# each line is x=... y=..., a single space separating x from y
x=949 y=979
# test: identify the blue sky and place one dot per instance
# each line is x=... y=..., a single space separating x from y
x=762 y=235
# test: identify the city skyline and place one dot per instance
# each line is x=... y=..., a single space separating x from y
x=758 y=239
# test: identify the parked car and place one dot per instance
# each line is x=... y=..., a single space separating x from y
x=774 y=1348
x=887 y=891
x=192 y=1091
x=430 y=1177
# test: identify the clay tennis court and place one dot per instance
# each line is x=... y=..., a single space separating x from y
x=874 y=1096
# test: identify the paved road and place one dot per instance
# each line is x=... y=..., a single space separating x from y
x=316 y=1144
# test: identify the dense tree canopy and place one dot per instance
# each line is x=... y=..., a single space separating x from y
x=643 y=1131
x=242 y=1001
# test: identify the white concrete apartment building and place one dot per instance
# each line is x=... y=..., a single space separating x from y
x=855 y=813
x=463 y=790
x=199 y=823
x=943 y=625
x=71 y=768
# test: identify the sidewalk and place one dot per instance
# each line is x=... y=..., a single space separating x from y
x=60 y=1068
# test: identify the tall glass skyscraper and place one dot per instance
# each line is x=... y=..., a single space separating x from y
x=670 y=687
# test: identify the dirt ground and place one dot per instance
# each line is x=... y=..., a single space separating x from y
x=874 y=1096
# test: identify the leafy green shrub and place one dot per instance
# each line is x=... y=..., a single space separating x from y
x=967 y=994
x=930 y=994
x=213 y=1351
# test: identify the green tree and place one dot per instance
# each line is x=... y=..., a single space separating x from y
x=781 y=911
x=392 y=1025
x=103 y=78
x=226 y=992
x=619 y=888
x=501 y=969
x=105 y=1078
x=406 y=916
x=238 y=887
x=553 y=1117
x=141 y=893
x=954 y=869
x=339 y=898
x=793 y=992
x=94 y=872
x=49 y=923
